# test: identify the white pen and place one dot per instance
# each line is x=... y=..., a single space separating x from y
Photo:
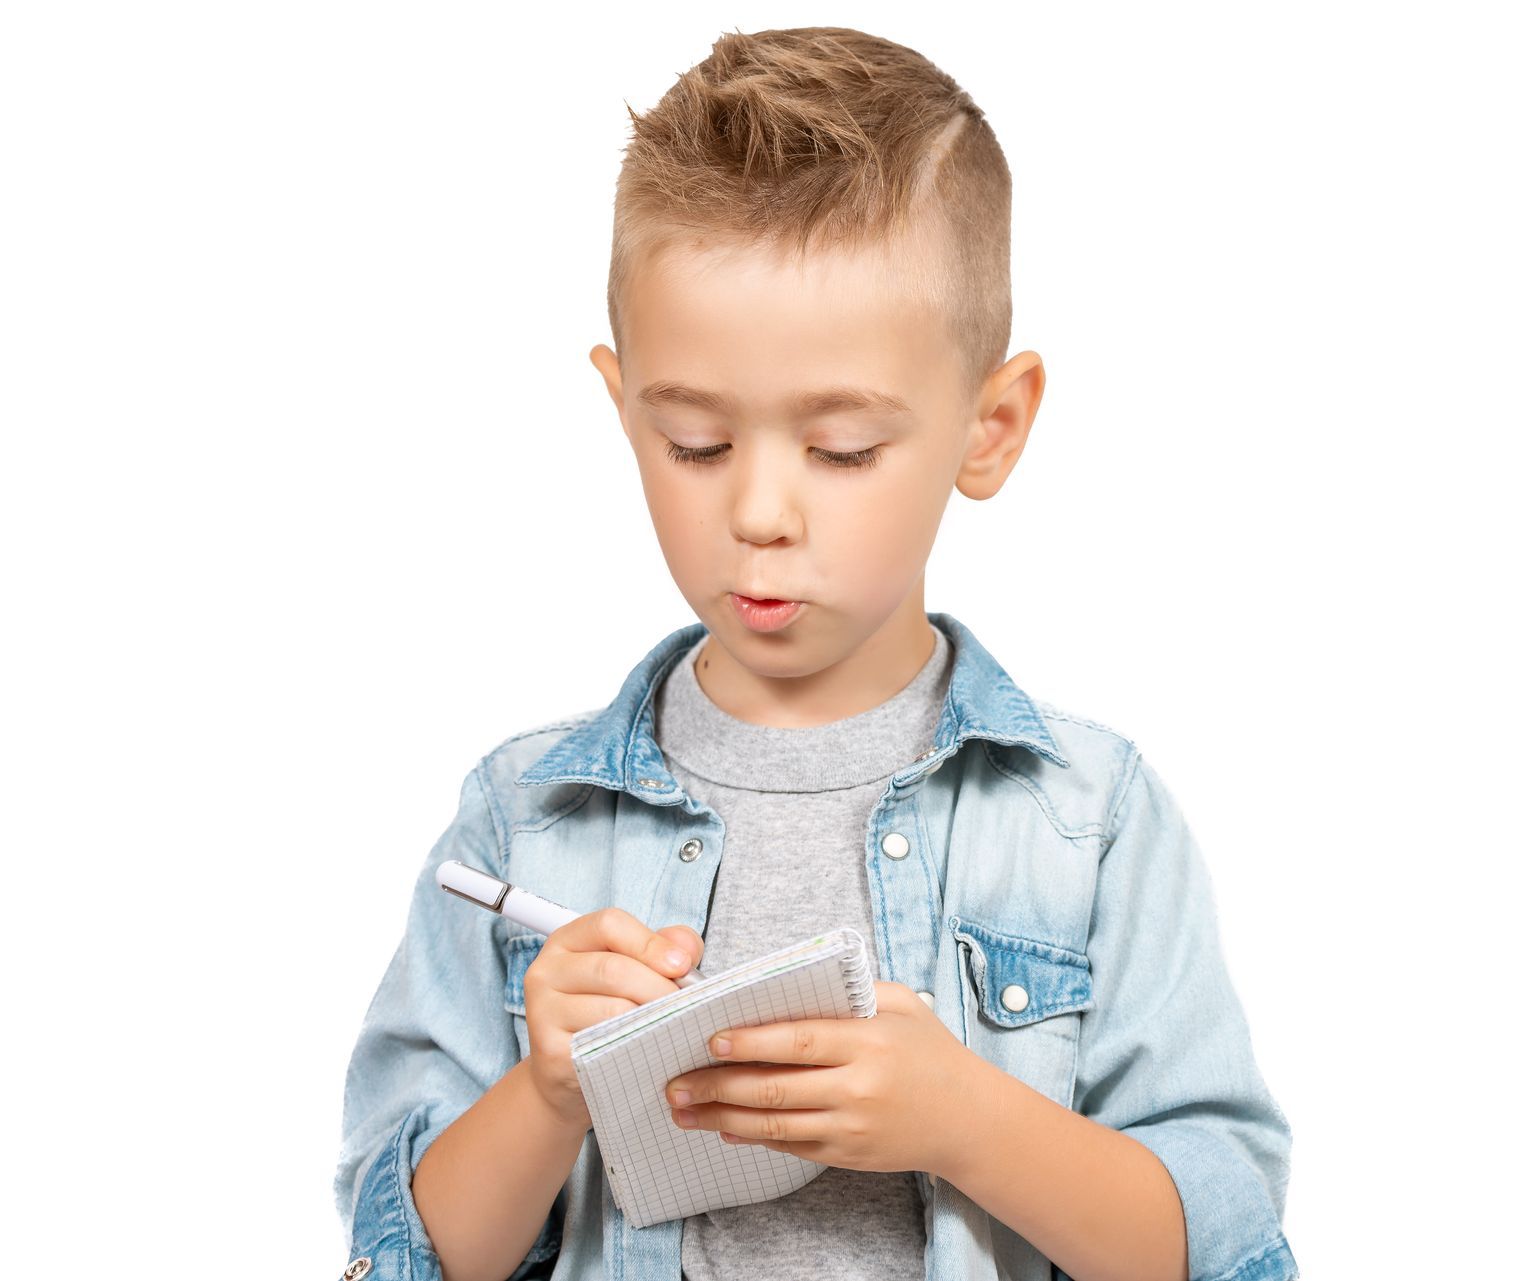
x=521 y=906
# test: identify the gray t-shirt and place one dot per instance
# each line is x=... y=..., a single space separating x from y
x=795 y=802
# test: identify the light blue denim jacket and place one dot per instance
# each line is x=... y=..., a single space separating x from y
x=1052 y=899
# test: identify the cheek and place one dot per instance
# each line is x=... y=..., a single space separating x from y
x=886 y=531
x=679 y=516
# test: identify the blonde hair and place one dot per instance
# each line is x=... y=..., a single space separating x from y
x=831 y=138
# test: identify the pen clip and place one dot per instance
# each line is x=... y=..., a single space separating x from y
x=469 y=883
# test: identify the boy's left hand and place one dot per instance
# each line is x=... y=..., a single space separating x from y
x=886 y=1093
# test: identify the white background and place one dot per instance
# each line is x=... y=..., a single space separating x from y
x=310 y=496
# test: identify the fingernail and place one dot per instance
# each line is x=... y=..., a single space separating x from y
x=684 y=1118
x=681 y=1096
x=677 y=960
x=722 y=1046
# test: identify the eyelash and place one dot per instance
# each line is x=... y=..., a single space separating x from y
x=703 y=457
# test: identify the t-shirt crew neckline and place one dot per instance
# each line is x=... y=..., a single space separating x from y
x=868 y=747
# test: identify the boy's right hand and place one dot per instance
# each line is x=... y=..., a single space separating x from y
x=598 y=965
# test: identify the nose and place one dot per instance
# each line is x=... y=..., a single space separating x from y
x=765 y=499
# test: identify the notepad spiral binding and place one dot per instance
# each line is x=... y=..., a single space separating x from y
x=860 y=996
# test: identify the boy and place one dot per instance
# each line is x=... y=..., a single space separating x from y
x=809 y=297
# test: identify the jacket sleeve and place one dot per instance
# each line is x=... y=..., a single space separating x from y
x=436 y=1036
x=1165 y=1052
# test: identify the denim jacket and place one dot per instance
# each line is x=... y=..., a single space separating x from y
x=1049 y=898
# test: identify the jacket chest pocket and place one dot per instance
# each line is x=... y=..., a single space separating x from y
x=520 y=951
x=1022 y=1004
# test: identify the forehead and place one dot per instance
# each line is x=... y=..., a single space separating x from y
x=758 y=321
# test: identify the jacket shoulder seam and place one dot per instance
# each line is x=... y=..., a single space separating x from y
x=1054 y=713
x=496 y=810
x=1128 y=772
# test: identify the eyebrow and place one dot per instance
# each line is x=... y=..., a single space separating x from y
x=826 y=400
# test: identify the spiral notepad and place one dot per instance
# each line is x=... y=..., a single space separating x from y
x=658 y=1171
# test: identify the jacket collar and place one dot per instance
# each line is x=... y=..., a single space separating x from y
x=615 y=748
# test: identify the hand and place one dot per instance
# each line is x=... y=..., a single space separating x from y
x=597 y=966
x=886 y=1093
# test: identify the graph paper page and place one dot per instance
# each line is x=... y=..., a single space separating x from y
x=658 y=1171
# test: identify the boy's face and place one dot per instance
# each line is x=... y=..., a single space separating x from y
x=722 y=348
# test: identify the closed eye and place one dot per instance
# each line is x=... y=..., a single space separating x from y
x=711 y=453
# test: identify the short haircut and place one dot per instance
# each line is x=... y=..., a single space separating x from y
x=826 y=137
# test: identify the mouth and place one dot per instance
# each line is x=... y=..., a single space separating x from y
x=766 y=600
x=765 y=614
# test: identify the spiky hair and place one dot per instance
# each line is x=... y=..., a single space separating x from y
x=813 y=138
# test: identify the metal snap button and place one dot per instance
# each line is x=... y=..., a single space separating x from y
x=896 y=845
x=357 y=1269
x=928 y=998
x=690 y=849
x=1014 y=998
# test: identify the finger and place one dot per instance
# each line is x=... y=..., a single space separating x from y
x=610 y=929
x=682 y=936
x=817 y=1041
x=587 y=1009
x=819 y=1152
x=575 y=1011
x=892 y=997
x=752 y=1087
x=610 y=974
x=754 y=1123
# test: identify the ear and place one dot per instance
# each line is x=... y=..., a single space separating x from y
x=1005 y=411
x=609 y=365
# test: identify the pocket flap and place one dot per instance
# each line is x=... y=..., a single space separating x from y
x=520 y=951
x=1020 y=980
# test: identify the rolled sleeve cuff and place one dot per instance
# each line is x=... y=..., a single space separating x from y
x=387 y=1227
x=1232 y=1225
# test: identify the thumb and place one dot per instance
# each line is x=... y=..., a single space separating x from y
x=685 y=937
